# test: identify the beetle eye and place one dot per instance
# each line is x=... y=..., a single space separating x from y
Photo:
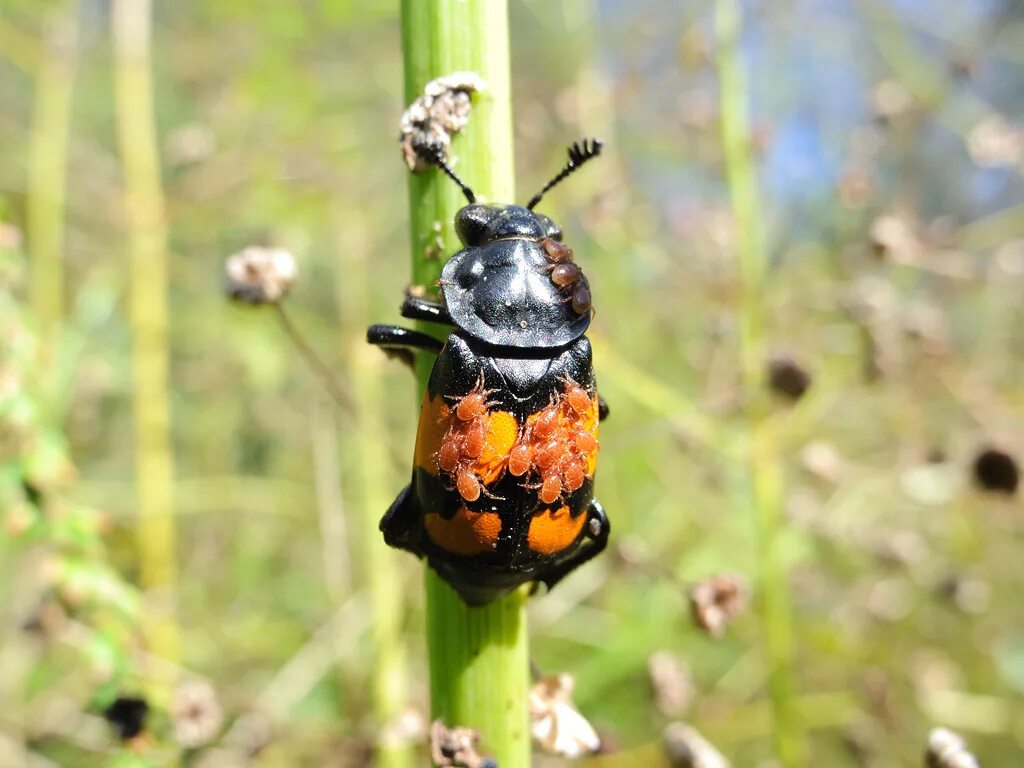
x=471 y=222
x=551 y=229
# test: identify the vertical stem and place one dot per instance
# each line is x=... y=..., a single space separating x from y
x=144 y=203
x=764 y=493
x=389 y=673
x=478 y=656
x=389 y=684
x=47 y=172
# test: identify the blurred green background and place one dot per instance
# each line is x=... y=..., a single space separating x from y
x=890 y=148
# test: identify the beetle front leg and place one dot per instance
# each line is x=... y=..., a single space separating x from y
x=416 y=308
x=596 y=531
x=602 y=408
x=399 y=524
x=400 y=343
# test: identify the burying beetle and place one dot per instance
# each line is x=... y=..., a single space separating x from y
x=502 y=489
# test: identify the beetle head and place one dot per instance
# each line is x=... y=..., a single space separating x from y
x=478 y=224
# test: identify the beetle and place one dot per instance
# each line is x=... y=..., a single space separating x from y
x=502 y=489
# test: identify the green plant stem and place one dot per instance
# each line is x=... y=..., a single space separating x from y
x=144 y=202
x=764 y=493
x=388 y=674
x=478 y=657
x=47 y=172
x=389 y=683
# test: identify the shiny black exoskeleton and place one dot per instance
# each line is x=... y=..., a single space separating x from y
x=498 y=289
x=502 y=485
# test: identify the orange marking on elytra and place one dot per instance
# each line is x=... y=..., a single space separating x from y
x=472 y=453
x=466 y=533
x=560 y=443
x=554 y=530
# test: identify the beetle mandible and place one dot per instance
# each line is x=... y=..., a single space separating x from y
x=502 y=489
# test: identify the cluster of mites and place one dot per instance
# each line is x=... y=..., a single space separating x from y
x=555 y=445
x=566 y=275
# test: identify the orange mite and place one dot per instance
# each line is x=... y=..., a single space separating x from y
x=585 y=442
x=546 y=422
x=468 y=485
x=581 y=300
x=475 y=441
x=471 y=406
x=564 y=275
x=557 y=253
x=573 y=476
x=519 y=459
x=448 y=455
x=551 y=489
x=578 y=398
x=547 y=455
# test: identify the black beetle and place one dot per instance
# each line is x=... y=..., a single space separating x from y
x=502 y=484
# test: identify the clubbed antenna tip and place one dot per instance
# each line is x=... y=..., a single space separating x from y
x=579 y=153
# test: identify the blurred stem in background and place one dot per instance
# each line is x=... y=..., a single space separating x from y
x=764 y=493
x=47 y=172
x=139 y=148
x=478 y=657
x=389 y=678
x=389 y=673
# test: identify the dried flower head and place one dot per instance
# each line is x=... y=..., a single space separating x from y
x=823 y=460
x=890 y=100
x=433 y=118
x=557 y=725
x=671 y=682
x=686 y=748
x=259 y=275
x=195 y=714
x=969 y=595
x=456 y=747
x=893 y=236
x=947 y=749
x=995 y=142
x=716 y=601
x=995 y=469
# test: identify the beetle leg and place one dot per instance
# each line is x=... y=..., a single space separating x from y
x=602 y=408
x=399 y=343
x=399 y=522
x=595 y=540
x=416 y=308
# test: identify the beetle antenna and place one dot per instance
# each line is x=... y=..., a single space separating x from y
x=579 y=153
x=434 y=154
